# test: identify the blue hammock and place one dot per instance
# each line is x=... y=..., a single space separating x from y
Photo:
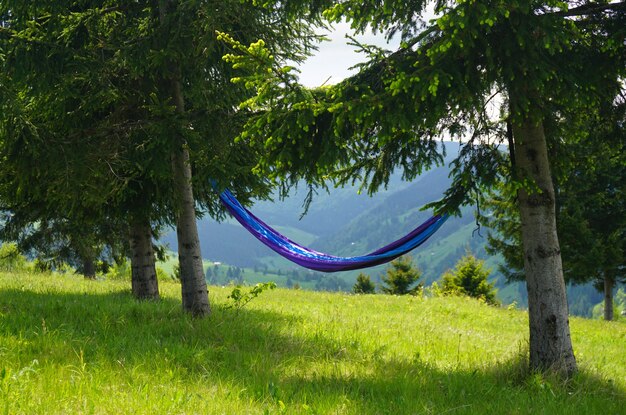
x=318 y=261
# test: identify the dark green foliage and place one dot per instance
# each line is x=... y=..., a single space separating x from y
x=541 y=62
x=97 y=112
x=469 y=277
x=78 y=242
x=438 y=83
x=592 y=200
x=89 y=122
x=364 y=285
x=401 y=277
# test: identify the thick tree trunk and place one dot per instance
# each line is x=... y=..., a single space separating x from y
x=145 y=285
x=89 y=267
x=86 y=254
x=550 y=342
x=195 y=296
x=609 y=283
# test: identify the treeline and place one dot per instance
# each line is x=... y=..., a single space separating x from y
x=293 y=278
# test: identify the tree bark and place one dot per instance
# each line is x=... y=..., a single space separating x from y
x=609 y=283
x=550 y=342
x=193 y=284
x=86 y=254
x=89 y=267
x=195 y=296
x=145 y=285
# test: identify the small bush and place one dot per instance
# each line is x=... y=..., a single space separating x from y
x=119 y=271
x=364 y=285
x=164 y=276
x=11 y=259
x=241 y=298
x=42 y=266
x=469 y=278
x=402 y=277
x=176 y=272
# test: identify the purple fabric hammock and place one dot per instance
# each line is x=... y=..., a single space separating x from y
x=318 y=261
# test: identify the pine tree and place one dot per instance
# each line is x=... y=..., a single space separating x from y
x=363 y=285
x=590 y=181
x=111 y=109
x=469 y=277
x=441 y=82
x=401 y=277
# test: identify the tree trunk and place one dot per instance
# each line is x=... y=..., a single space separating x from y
x=86 y=254
x=195 y=296
x=145 y=285
x=550 y=342
x=609 y=283
x=193 y=284
x=89 y=267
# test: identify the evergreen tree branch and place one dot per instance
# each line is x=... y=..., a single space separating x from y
x=590 y=9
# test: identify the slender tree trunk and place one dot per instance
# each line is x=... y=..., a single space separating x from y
x=195 y=296
x=609 y=283
x=550 y=342
x=145 y=285
x=193 y=284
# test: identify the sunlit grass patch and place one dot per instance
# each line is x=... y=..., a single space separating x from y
x=73 y=346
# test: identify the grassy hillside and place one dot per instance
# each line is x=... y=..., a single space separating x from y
x=74 y=346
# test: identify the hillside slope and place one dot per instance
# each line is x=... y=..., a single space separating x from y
x=74 y=346
x=346 y=223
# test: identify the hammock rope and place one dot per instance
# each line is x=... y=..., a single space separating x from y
x=319 y=261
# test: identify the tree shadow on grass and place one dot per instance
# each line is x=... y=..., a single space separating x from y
x=258 y=354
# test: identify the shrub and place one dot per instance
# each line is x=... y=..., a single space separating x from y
x=11 y=259
x=469 y=278
x=164 y=276
x=364 y=285
x=401 y=277
x=42 y=266
x=119 y=271
x=176 y=272
x=241 y=298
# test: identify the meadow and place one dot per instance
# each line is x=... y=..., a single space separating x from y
x=68 y=345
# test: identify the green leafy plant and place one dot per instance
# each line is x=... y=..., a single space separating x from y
x=119 y=271
x=241 y=298
x=42 y=266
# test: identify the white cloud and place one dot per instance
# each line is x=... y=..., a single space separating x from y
x=334 y=59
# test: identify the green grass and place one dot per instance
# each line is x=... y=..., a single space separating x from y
x=86 y=347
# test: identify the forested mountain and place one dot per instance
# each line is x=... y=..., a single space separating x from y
x=344 y=222
x=341 y=222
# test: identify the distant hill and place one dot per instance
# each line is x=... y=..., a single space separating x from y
x=342 y=222
x=346 y=223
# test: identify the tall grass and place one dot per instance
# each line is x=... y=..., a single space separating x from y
x=82 y=347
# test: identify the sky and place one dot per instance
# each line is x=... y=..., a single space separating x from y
x=335 y=57
x=332 y=62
